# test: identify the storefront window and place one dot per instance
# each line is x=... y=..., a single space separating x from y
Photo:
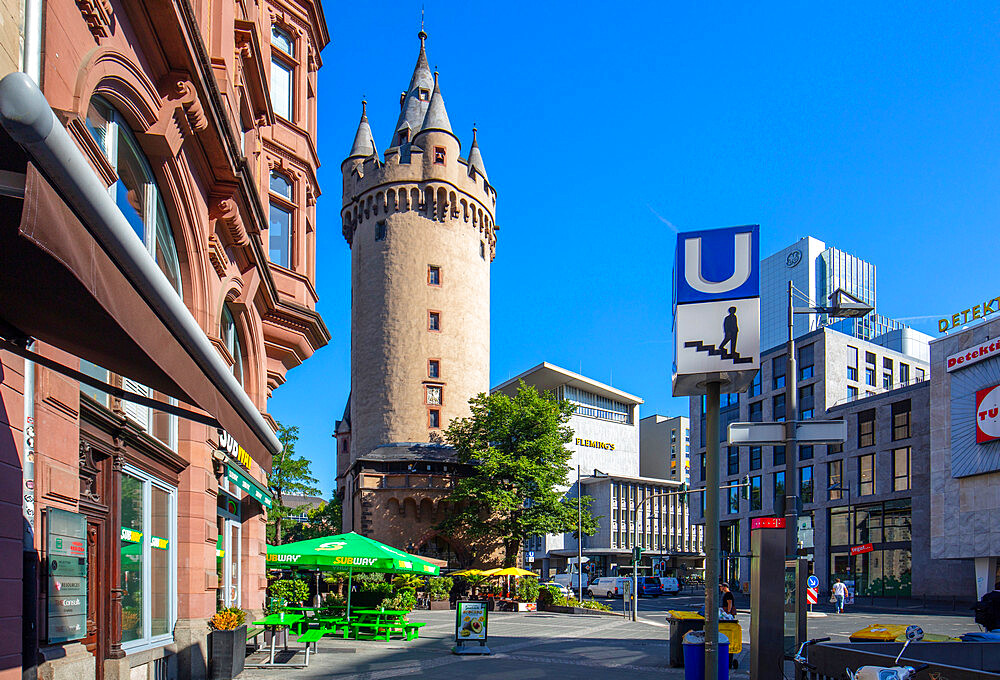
x=840 y=527
x=148 y=561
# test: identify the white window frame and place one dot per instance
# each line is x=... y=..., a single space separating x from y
x=147 y=641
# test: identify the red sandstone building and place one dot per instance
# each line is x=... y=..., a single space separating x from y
x=157 y=282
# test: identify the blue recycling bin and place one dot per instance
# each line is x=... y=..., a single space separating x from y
x=694 y=656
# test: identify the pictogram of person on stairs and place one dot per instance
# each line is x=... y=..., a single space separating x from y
x=730 y=329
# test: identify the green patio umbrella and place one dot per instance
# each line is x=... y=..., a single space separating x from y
x=349 y=552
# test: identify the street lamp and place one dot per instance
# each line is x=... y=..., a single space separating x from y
x=842 y=305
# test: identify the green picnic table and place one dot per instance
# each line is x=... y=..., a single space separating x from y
x=308 y=614
x=387 y=620
x=278 y=621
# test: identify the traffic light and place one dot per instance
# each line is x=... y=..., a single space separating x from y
x=684 y=494
x=746 y=487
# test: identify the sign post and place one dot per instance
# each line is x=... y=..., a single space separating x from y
x=470 y=626
x=66 y=559
x=812 y=590
x=716 y=345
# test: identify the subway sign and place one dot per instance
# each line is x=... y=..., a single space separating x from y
x=229 y=446
x=974 y=313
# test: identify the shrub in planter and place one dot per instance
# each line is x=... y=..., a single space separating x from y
x=527 y=589
x=439 y=592
x=548 y=595
x=227 y=644
x=402 y=601
x=290 y=591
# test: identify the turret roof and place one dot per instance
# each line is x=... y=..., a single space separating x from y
x=476 y=158
x=364 y=143
x=414 y=108
x=437 y=116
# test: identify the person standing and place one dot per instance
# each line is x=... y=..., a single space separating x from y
x=728 y=599
x=840 y=595
x=988 y=609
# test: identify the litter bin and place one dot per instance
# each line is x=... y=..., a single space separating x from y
x=694 y=656
x=878 y=632
x=681 y=623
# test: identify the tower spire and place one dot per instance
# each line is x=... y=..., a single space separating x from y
x=415 y=101
x=476 y=158
x=364 y=143
x=437 y=116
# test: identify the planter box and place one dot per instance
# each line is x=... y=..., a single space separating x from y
x=439 y=604
x=576 y=610
x=227 y=652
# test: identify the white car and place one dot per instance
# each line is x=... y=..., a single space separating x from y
x=670 y=585
x=607 y=586
x=563 y=590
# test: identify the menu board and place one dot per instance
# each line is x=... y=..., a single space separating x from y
x=66 y=560
x=470 y=626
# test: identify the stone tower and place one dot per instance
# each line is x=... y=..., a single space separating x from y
x=420 y=224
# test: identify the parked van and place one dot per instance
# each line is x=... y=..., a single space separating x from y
x=670 y=585
x=607 y=586
x=571 y=581
x=649 y=586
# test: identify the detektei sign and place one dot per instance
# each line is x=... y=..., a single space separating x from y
x=716 y=309
x=973 y=313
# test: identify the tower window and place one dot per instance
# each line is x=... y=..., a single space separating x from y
x=482 y=249
x=434 y=418
x=439 y=155
x=434 y=321
x=433 y=395
x=380 y=230
x=424 y=94
x=433 y=368
x=433 y=275
x=404 y=136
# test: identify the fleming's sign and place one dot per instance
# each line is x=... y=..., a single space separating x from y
x=595 y=444
x=967 y=315
x=986 y=350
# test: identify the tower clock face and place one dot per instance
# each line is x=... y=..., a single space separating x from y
x=793 y=258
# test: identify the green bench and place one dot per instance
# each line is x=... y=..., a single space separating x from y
x=311 y=637
x=253 y=632
x=408 y=630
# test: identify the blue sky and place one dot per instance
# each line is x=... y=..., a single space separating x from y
x=607 y=127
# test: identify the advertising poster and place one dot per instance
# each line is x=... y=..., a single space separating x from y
x=470 y=627
x=66 y=563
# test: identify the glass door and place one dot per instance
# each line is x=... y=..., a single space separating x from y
x=231 y=563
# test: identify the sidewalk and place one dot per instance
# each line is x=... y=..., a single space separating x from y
x=529 y=645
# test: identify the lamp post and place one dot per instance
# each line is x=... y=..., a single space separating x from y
x=579 y=529
x=842 y=305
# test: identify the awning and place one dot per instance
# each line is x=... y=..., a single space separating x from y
x=74 y=275
x=249 y=485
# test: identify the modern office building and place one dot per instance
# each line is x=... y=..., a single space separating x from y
x=664 y=451
x=965 y=454
x=816 y=270
x=606 y=447
x=419 y=220
x=162 y=244
x=840 y=376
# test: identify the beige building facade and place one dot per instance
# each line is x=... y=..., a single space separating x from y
x=420 y=223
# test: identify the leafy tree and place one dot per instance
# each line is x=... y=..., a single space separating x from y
x=516 y=448
x=290 y=474
x=323 y=520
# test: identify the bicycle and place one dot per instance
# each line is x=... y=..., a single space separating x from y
x=801 y=658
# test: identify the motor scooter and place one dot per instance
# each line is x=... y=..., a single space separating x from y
x=894 y=672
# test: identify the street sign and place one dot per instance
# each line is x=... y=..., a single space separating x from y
x=812 y=595
x=531 y=556
x=716 y=310
x=860 y=549
x=812 y=581
x=806 y=432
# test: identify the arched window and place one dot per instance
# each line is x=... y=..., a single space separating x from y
x=135 y=192
x=231 y=337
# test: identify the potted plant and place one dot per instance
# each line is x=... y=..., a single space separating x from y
x=227 y=643
x=290 y=591
x=440 y=592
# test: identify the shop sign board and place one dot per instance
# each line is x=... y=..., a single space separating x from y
x=861 y=549
x=716 y=309
x=974 y=313
x=470 y=626
x=767 y=523
x=66 y=562
x=973 y=355
x=988 y=414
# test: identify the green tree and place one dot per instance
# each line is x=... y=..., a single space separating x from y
x=323 y=520
x=290 y=474
x=516 y=448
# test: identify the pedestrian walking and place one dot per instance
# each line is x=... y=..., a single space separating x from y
x=988 y=609
x=728 y=599
x=839 y=595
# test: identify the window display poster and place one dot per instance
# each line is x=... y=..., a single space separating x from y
x=66 y=559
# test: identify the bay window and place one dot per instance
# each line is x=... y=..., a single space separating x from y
x=282 y=73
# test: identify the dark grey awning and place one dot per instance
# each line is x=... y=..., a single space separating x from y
x=75 y=275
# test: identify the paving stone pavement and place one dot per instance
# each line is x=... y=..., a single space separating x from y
x=526 y=646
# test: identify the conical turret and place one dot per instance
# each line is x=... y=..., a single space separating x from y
x=436 y=117
x=416 y=99
x=364 y=143
x=476 y=158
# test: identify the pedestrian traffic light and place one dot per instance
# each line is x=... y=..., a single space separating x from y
x=636 y=553
x=746 y=487
x=684 y=494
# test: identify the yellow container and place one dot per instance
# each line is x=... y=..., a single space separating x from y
x=879 y=632
x=733 y=631
x=677 y=614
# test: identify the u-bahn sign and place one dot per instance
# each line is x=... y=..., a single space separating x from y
x=716 y=309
